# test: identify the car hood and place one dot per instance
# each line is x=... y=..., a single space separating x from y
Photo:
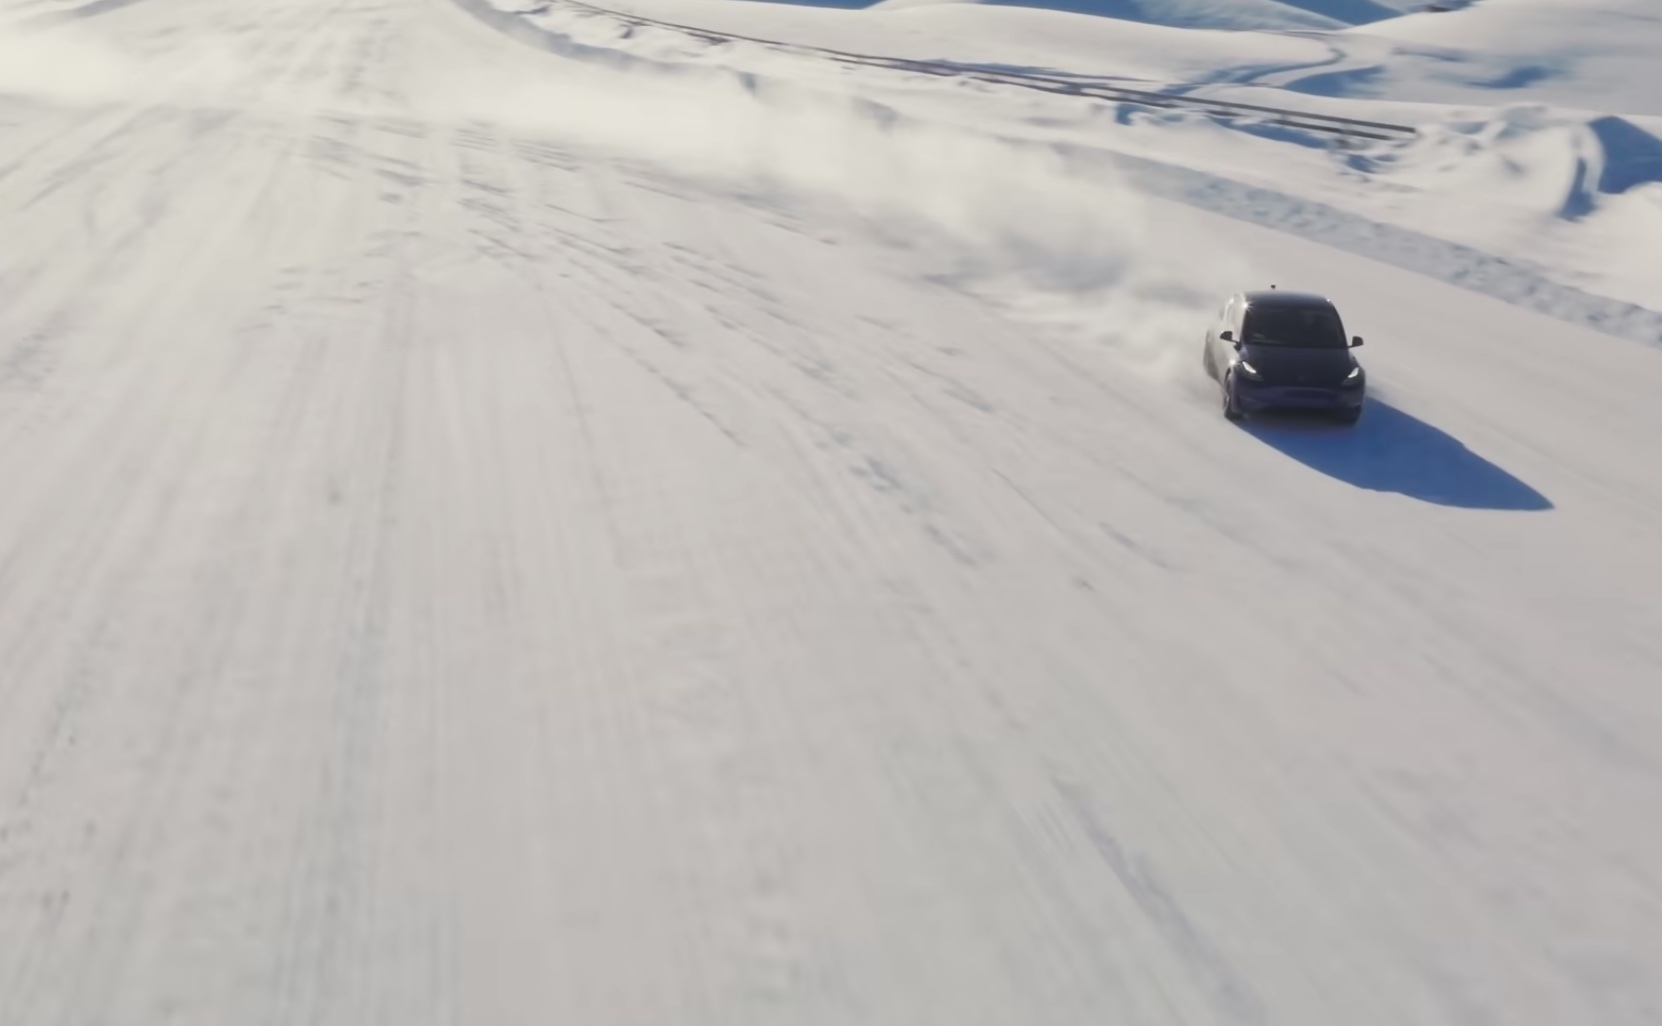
x=1290 y=365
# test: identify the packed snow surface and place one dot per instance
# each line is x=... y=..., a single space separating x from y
x=495 y=537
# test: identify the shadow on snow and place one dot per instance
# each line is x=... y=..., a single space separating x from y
x=1392 y=451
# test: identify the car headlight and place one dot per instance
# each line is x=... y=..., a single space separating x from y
x=1354 y=376
x=1247 y=369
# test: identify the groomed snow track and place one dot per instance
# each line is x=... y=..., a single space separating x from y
x=475 y=550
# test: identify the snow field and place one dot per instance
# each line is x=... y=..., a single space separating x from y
x=492 y=538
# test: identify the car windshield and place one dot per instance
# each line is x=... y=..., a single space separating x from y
x=1314 y=327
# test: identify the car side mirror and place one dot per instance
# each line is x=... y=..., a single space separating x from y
x=1355 y=341
x=1227 y=336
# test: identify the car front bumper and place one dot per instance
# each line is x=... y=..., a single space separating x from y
x=1253 y=396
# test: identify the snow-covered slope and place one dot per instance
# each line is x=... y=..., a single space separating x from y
x=1598 y=57
x=1564 y=194
x=488 y=539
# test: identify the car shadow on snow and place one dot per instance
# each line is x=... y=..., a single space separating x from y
x=1392 y=451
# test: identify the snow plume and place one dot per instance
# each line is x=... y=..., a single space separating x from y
x=1036 y=230
x=1039 y=231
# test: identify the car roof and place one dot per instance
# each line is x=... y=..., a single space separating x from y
x=1280 y=297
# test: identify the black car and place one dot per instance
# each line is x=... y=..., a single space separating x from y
x=1284 y=350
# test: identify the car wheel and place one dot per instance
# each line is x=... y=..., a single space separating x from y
x=1231 y=411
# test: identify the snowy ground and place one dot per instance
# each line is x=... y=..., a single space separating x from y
x=489 y=538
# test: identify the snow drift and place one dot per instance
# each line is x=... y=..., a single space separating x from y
x=1017 y=220
x=1526 y=158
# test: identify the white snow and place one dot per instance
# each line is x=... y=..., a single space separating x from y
x=492 y=534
